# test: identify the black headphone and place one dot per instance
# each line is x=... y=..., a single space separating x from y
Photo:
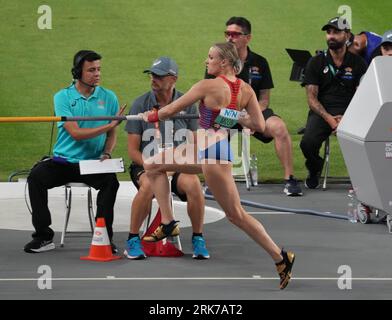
x=350 y=40
x=78 y=63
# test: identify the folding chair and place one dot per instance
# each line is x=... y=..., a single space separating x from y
x=326 y=157
x=245 y=163
x=326 y=163
x=68 y=206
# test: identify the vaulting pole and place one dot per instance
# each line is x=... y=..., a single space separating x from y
x=110 y=118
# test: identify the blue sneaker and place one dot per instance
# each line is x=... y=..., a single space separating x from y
x=199 y=248
x=134 y=249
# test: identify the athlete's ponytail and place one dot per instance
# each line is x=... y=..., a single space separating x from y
x=238 y=66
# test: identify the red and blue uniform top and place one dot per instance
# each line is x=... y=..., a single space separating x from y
x=208 y=116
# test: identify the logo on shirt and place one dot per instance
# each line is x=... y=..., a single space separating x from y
x=101 y=104
x=254 y=74
x=348 y=74
x=255 y=70
x=325 y=70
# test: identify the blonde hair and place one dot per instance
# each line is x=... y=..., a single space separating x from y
x=228 y=51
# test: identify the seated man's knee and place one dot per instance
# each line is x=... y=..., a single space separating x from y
x=278 y=129
x=113 y=181
x=109 y=183
x=191 y=186
x=151 y=168
x=150 y=172
x=145 y=190
x=308 y=143
x=35 y=174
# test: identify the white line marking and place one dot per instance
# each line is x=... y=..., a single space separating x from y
x=255 y=277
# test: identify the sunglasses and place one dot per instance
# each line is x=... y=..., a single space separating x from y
x=156 y=76
x=234 y=34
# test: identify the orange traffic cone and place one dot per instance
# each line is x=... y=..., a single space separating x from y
x=100 y=249
x=162 y=248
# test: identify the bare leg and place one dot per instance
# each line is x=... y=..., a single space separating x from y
x=141 y=204
x=221 y=183
x=190 y=185
x=160 y=187
x=157 y=168
x=276 y=128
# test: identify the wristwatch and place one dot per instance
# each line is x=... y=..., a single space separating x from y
x=107 y=154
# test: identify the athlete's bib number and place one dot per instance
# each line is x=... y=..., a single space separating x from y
x=227 y=118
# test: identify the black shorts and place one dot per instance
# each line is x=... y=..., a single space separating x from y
x=135 y=171
x=267 y=113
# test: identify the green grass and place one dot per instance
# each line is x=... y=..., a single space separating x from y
x=130 y=34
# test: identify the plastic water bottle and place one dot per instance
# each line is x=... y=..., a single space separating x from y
x=352 y=206
x=253 y=169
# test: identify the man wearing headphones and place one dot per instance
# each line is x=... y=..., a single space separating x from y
x=76 y=141
x=331 y=79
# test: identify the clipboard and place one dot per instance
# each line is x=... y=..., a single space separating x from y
x=97 y=166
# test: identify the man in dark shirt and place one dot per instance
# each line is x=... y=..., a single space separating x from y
x=257 y=73
x=331 y=79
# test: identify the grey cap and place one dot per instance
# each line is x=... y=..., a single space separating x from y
x=387 y=37
x=163 y=66
x=338 y=23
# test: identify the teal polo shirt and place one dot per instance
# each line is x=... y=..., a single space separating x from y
x=70 y=103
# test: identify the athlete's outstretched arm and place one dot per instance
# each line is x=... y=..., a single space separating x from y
x=194 y=94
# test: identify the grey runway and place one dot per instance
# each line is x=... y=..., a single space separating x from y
x=238 y=268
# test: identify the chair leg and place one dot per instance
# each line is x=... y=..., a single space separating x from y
x=146 y=223
x=245 y=160
x=326 y=163
x=176 y=238
x=90 y=210
x=68 y=201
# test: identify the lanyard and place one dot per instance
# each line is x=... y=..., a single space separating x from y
x=332 y=69
x=330 y=66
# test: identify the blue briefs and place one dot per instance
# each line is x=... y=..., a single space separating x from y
x=218 y=151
